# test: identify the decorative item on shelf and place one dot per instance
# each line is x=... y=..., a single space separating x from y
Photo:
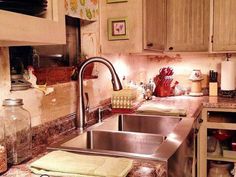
x=213 y=146
x=219 y=169
x=228 y=77
x=33 y=80
x=213 y=85
x=196 y=86
x=53 y=75
x=163 y=82
x=118 y=28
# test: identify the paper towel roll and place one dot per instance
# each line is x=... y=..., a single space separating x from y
x=228 y=75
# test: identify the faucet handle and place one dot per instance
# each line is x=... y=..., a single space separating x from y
x=101 y=110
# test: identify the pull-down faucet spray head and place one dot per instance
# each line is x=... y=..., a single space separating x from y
x=81 y=116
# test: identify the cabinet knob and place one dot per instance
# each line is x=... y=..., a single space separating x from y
x=200 y=121
x=150 y=44
x=171 y=48
x=196 y=131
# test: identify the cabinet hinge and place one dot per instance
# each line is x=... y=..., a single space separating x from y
x=212 y=38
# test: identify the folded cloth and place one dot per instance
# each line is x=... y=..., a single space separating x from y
x=61 y=163
x=160 y=109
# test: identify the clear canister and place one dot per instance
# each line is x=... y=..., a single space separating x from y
x=18 y=138
x=3 y=151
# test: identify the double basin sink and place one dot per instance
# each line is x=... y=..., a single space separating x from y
x=129 y=135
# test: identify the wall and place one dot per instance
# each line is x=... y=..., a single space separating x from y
x=43 y=108
x=141 y=68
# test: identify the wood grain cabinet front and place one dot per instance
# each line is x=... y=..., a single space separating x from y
x=224 y=26
x=158 y=25
x=19 y=29
x=187 y=25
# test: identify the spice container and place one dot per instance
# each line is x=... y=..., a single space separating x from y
x=17 y=130
x=3 y=152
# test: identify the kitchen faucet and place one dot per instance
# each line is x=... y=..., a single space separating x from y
x=81 y=115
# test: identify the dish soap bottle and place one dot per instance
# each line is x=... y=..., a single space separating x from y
x=17 y=122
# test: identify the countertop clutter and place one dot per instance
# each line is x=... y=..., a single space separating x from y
x=193 y=106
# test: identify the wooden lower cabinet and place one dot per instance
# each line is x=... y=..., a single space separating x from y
x=216 y=136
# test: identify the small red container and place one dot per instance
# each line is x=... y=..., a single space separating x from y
x=163 y=91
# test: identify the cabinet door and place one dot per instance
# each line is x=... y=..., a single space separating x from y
x=132 y=12
x=187 y=25
x=224 y=25
x=154 y=24
x=20 y=29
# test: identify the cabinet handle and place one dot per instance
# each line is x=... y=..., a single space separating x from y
x=171 y=48
x=150 y=44
x=200 y=121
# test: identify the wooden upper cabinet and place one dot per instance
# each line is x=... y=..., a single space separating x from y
x=188 y=25
x=19 y=29
x=132 y=12
x=154 y=24
x=224 y=25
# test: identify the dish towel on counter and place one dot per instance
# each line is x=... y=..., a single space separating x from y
x=160 y=109
x=61 y=163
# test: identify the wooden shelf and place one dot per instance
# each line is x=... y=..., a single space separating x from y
x=213 y=118
x=221 y=158
x=225 y=126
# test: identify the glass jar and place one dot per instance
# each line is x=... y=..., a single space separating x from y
x=219 y=170
x=17 y=122
x=3 y=151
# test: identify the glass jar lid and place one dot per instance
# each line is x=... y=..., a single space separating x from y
x=12 y=102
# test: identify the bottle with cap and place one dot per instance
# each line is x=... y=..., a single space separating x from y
x=17 y=121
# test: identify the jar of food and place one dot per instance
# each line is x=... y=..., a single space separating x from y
x=17 y=122
x=3 y=151
x=219 y=169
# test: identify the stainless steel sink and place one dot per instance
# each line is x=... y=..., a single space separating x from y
x=141 y=123
x=115 y=143
x=129 y=135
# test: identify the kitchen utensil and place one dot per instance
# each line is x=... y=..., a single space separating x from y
x=166 y=71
